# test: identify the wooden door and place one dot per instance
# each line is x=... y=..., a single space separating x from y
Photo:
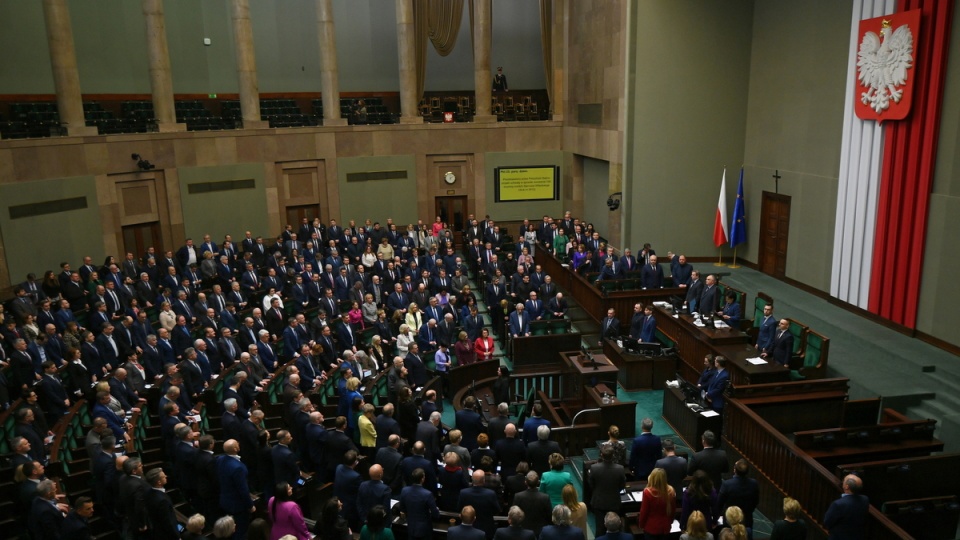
x=453 y=212
x=295 y=214
x=774 y=231
x=137 y=238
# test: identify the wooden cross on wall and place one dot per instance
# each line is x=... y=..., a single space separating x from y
x=776 y=178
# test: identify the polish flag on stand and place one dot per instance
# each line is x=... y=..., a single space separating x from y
x=720 y=224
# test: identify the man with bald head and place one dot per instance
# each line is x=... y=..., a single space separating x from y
x=234 y=491
x=510 y=451
x=847 y=516
x=484 y=501
x=373 y=492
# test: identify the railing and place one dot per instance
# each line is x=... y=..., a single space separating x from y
x=785 y=470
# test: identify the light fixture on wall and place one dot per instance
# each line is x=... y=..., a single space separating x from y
x=142 y=164
x=613 y=202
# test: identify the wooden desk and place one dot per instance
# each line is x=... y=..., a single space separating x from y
x=535 y=353
x=638 y=372
x=693 y=343
x=592 y=300
x=622 y=414
x=582 y=372
x=689 y=425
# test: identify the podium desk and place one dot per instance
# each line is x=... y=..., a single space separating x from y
x=689 y=425
x=639 y=372
x=581 y=371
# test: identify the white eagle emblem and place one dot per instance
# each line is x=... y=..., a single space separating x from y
x=882 y=65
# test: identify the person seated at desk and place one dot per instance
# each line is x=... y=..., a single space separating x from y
x=731 y=310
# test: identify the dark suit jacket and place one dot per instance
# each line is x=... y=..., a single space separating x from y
x=45 y=520
x=606 y=481
x=75 y=527
x=389 y=459
x=646 y=450
x=468 y=532
x=782 y=348
x=712 y=461
x=536 y=508
x=471 y=426
x=132 y=506
x=708 y=300
x=163 y=520
x=484 y=501
x=538 y=454
x=742 y=492
x=285 y=466
x=234 y=491
x=610 y=328
x=421 y=508
x=514 y=533
x=676 y=469
x=651 y=277
x=566 y=532
x=510 y=452
x=718 y=384
x=846 y=518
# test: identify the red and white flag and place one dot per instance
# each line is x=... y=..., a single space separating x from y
x=720 y=223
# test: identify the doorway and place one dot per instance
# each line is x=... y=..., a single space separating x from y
x=137 y=238
x=453 y=212
x=295 y=214
x=774 y=230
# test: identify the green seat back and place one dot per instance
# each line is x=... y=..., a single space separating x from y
x=539 y=328
x=666 y=341
x=797 y=330
x=609 y=285
x=559 y=326
x=758 y=305
x=814 y=350
x=630 y=284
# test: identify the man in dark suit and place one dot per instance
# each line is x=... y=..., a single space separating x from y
x=674 y=465
x=709 y=299
x=285 y=467
x=346 y=487
x=417 y=461
x=610 y=326
x=76 y=525
x=767 y=331
x=710 y=460
x=646 y=451
x=740 y=491
x=131 y=498
x=416 y=369
x=162 y=518
x=606 y=480
x=515 y=527
x=651 y=276
x=386 y=425
x=338 y=444
x=466 y=530
x=557 y=307
x=373 y=492
x=846 y=518
x=207 y=483
x=419 y=506
x=519 y=322
x=470 y=423
x=389 y=458
x=428 y=433
x=535 y=505
x=538 y=451
x=782 y=346
x=46 y=517
x=510 y=451
x=234 y=491
x=718 y=385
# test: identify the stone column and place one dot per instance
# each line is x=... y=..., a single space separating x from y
x=158 y=57
x=246 y=65
x=406 y=44
x=329 y=74
x=482 y=80
x=63 y=62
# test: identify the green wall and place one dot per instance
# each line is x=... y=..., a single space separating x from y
x=67 y=236
x=794 y=125
x=939 y=294
x=596 y=190
x=395 y=199
x=688 y=77
x=224 y=212
x=506 y=211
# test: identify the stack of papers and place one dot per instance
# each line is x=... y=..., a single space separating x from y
x=757 y=361
x=709 y=413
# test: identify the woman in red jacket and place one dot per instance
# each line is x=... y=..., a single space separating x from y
x=657 y=507
x=484 y=346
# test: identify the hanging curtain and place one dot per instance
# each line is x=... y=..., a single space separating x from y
x=546 y=44
x=439 y=22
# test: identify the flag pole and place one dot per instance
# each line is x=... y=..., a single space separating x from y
x=720 y=258
x=734 y=265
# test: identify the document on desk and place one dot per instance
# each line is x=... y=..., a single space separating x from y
x=757 y=361
x=708 y=414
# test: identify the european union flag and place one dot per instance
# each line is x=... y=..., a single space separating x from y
x=738 y=226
